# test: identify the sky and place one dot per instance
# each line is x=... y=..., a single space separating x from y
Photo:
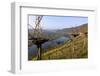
x=58 y=22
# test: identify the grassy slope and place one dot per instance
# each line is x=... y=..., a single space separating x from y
x=77 y=48
x=71 y=49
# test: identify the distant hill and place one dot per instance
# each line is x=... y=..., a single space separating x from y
x=82 y=28
x=51 y=35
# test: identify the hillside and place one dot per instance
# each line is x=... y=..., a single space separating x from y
x=77 y=48
x=81 y=28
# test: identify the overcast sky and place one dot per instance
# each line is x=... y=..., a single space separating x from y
x=58 y=22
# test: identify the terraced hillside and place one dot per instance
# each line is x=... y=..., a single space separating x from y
x=75 y=48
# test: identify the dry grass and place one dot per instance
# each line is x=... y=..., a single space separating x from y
x=77 y=48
